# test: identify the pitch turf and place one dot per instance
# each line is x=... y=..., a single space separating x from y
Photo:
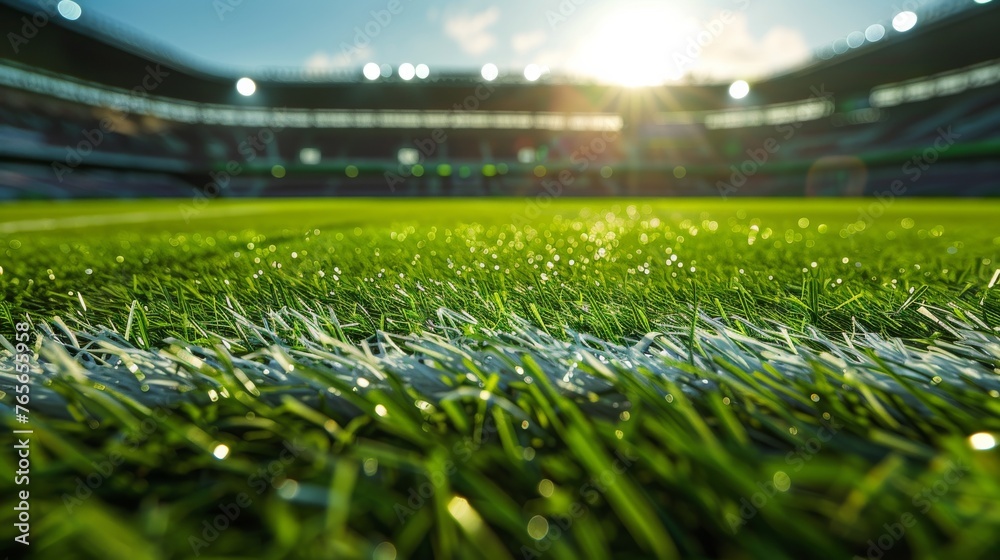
x=357 y=379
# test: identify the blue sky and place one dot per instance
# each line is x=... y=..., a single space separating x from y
x=607 y=39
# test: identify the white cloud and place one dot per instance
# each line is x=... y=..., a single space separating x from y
x=736 y=53
x=322 y=61
x=530 y=40
x=471 y=31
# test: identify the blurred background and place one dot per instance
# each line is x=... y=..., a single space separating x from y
x=234 y=98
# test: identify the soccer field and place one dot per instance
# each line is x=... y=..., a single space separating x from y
x=532 y=378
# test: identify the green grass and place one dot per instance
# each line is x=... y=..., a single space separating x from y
x=455 y=376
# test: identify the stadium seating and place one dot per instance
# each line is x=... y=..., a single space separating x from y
x=59 y=135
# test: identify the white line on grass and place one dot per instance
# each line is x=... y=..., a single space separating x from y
x=47 y=224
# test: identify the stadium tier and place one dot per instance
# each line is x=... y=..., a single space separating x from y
x=142 y=122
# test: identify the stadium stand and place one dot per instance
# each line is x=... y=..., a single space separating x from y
x=120 y=116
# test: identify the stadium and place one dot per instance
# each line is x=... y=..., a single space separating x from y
x=456 y=307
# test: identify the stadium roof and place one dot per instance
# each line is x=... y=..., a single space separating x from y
x=936 y=46
x=100 y=22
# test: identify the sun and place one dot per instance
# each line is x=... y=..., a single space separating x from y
x=634 y=47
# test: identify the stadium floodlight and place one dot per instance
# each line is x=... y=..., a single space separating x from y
x=490 y=72
x=385 y=70
x=982 y=1
x=532 y=72
x=904 y=21
x=874 y=33
x=739 y=89
x=422 y=71
x=69 y=10
x=246 y=87
x=310 y=156
x=407 y=71
x=408 y=156
x=371 y=71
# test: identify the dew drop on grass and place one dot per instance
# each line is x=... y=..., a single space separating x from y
x=384 y=551
x=782 y=482
x=982 y=441
x=288 y=489
x=538 y=527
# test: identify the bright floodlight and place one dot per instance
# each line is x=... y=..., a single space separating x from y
x=904 y=21
x=407 y=71
x=532 y=72
x=982 y=1
x=739 y=89
x=371 y=71
x=526 y=155
x=246 y=86
x=874 y=33
x=408 y=156
x=69 y=10
x=310 y=156
x=423 y=71
x=490 y=72
x=982 y=441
